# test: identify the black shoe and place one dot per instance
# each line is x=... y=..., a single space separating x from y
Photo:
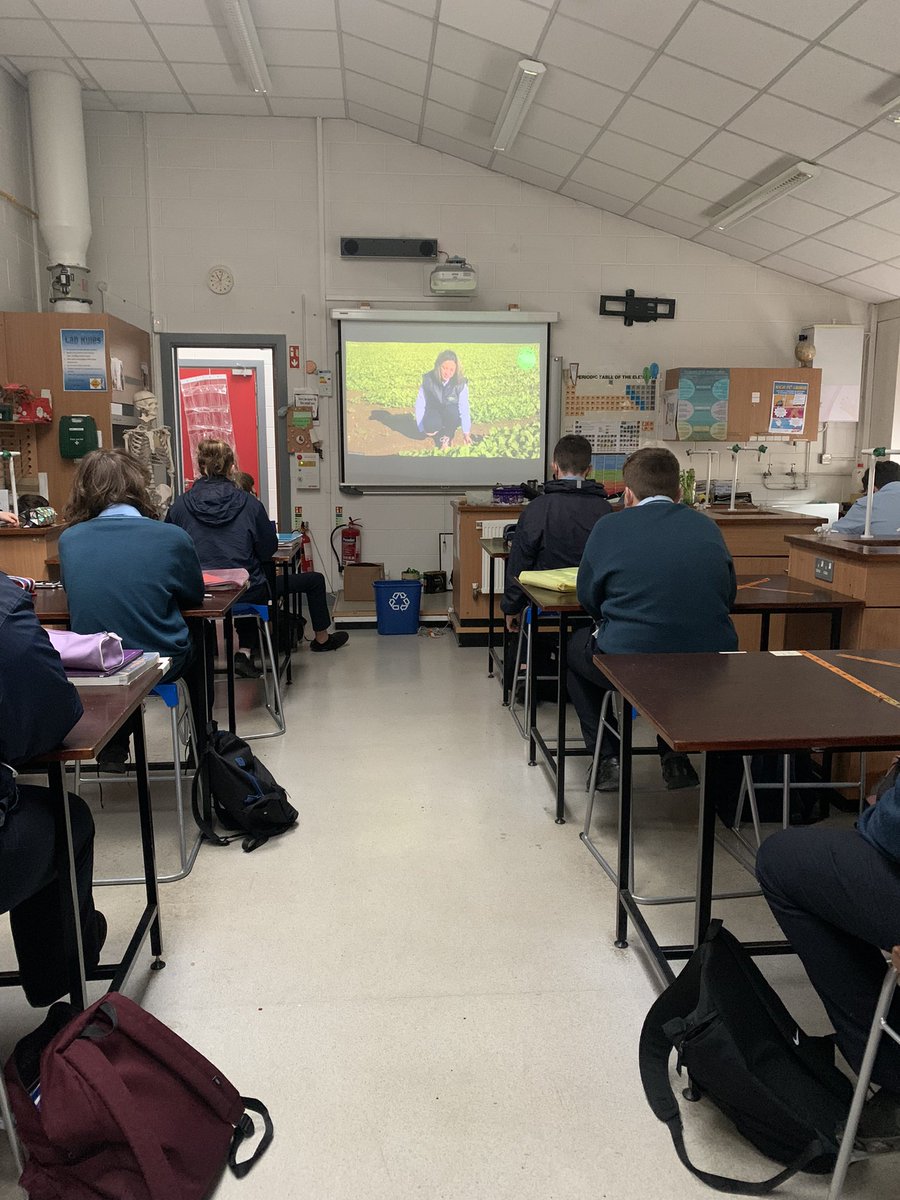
x=335 y=641
x=113 y=760
x=244 y=668
x=677 y=772
x=879 y=1124
x=607 y=774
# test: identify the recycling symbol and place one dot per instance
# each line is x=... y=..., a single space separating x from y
x=399 y=602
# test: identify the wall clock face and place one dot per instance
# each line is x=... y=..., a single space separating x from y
x=220 y=280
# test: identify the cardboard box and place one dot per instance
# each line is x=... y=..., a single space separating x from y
x=358 y=580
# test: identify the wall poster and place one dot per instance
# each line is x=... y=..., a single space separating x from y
x=788 y=407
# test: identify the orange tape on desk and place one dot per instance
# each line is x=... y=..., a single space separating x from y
x=865 y=687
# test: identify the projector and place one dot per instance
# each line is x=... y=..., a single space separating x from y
x=454 y=278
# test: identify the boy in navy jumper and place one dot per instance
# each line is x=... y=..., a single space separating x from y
x=658 y=579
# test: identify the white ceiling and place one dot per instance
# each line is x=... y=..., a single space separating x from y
x=661 y=110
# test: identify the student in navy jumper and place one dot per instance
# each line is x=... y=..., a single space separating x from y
x=658 y=579
x=836 y=895
x=127 y=572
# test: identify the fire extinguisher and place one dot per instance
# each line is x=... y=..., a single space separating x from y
x=351 y=543
x=306 y=554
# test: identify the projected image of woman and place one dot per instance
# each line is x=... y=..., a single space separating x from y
x=442 y=405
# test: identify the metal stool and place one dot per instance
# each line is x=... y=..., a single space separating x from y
x=172 y=695
x=10 y=1126
x=523 y=723
x=274 y=705
x=879 y=1026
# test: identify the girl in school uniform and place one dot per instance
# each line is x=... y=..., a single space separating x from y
x=128 y=572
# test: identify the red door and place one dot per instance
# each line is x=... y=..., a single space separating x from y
x=219 y=402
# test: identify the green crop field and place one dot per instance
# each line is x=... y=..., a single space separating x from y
x=518 y=442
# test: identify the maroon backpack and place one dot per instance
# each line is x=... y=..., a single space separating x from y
x=122 y=1106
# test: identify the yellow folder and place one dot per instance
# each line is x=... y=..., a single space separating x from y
x=562 y=579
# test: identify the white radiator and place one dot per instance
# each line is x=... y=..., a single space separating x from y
x=492 y=529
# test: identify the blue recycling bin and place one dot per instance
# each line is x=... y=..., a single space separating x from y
x=397 y=603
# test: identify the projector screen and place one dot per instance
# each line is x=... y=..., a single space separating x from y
x=442 y=402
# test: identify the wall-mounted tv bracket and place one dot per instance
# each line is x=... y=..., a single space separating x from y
x=637 y=308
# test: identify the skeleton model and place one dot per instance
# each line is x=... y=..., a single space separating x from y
x=151 y=445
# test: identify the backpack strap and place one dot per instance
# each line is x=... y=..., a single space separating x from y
x=243 y=1130
x=675 y=1003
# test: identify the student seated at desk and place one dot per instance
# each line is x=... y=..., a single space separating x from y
x=231 y=528
x=885 y=504
x=836 y=895
x=554 y=527
x=127 y=572
x=38 y=707
x=658 y=579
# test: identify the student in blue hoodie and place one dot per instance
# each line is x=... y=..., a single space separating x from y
x=127 y=572
x=836 y=895
x=231 y=528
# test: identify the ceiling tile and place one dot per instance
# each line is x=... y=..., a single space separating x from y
x=195 y=43
x=387 y=26
x=113 y=39
x=605 y=58
x=96 y=101
x=578 y=97
x=860 y=291
x=719 y=241
x=879 y=244
x=467 y=95
x=799 y=216
x=739 y=156
x=451 y=145
x=658 y=220
x=232 y=106
x=378 y=62
x=882 y=276
x=700 y=180
x=640 y=159
x=382 y=121
x=762 y=233
x=829 y=258
x=842 y=193
x=885 y=216
x=559 y=128
x=527 y=173
x=135 y=76
x=87 y=10
x=424 y=7
x=178 y=12
x=306 y=108
x=211 y=79
x=680 y=204
x=288 y=14
x=660 y=126
x=589 y=195
x=645 y=21
x=300 y=47
x=19 y=36
x=474 y=57
x=738 y=48
x=463 y=126
x=806 y=17
x=789 y=266
x=26 y=63
x=874 y=159
x=535 y=153
x=507 y=22
x=694 y=92
x=785 y=126
x=610 y=179
x=832 y=84
x=150 y=102
x=872 y=33
x=324 y=82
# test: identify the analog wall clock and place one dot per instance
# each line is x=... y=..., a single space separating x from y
x=220 y=280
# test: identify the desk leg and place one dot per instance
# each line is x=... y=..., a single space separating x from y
x=202 y=719
x=490 y=639
x=561 y=721
x=705 y=854
x=228 y=625
x=765 y=620
x=625 y=799
x=532 y=682
x=836 y=618
x=148 y=845
x=504 y=641
x=68 y=886
x=287 y=602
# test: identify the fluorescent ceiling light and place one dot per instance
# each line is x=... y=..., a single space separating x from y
x=786 y=182
x=891 y=111
x=519 y=95
x=243 y=33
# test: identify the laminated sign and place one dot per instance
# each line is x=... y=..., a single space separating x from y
x=83 y=360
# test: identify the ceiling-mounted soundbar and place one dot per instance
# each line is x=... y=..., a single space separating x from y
x=421 y=249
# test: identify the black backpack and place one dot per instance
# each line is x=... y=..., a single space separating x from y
x=742 y=1049
x=245 y=796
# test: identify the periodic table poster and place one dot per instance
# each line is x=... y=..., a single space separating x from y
x=615 y=411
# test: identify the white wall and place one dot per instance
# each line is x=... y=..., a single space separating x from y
x=18 y=288
x=243 y=191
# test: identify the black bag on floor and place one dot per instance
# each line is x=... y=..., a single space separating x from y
x=742 y=1049
x=245 y=796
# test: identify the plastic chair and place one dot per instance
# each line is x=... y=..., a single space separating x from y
x=879 y=1026
x=274 y=705
x=172 y=695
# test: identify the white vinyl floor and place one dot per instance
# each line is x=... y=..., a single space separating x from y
x=420 y=980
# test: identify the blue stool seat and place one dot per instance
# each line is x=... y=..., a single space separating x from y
x=251 y=610
x=167 y=692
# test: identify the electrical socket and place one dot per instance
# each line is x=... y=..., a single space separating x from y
x=824 y=459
